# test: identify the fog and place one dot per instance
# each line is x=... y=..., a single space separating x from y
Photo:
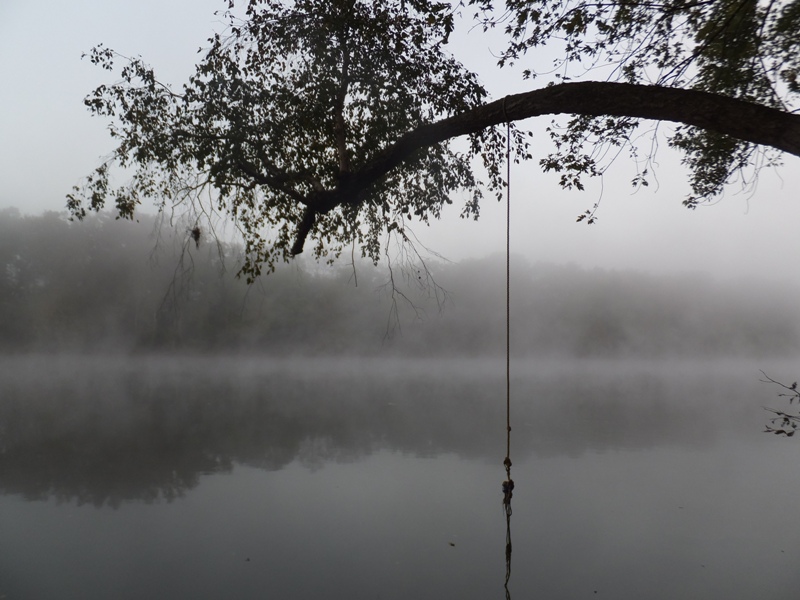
x=106 y=285
x=164 y=428
x=168 y=431
x=106 y=431
x=145 y=293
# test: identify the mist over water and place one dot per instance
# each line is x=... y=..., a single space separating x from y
x=166 y=431
x=352 y=478
x=107 y=431
x=119 y=287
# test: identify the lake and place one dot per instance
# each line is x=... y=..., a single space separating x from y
x=243 y=477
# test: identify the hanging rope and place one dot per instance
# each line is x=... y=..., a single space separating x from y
x=508 y=484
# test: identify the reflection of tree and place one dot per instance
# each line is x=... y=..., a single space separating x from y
x=116 y=432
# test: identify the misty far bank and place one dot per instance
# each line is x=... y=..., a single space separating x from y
x=106 y=285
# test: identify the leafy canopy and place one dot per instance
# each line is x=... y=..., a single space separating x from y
x=330 y=120
x=282 y=112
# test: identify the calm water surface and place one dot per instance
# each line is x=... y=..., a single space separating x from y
x=255 y=478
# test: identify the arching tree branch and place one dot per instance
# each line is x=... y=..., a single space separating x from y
x=743 y=120
x=746 y=121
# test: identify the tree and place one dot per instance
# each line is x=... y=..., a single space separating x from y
x=333 y=119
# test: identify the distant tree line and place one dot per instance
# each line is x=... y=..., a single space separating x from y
x=107 y=285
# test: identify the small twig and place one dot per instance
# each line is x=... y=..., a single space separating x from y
x=783 y=423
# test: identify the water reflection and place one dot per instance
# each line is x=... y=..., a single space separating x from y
x=104 y=432
x=508 y=492
x=362 y=480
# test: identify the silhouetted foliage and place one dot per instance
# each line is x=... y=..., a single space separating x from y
x=330 y=120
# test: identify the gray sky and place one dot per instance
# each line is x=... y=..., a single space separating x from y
x=48 y=142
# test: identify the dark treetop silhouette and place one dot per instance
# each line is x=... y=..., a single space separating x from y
x=332 y=119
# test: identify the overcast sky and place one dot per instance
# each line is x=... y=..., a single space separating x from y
x=48 y=142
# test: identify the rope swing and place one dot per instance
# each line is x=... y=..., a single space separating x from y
x=508 y=484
